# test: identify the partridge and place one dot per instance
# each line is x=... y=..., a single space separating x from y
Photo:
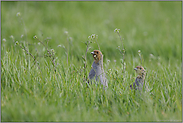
x=97 y=72
x=139 y=81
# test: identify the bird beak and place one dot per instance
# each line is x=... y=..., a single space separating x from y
x=135 y=68
x=92 y=52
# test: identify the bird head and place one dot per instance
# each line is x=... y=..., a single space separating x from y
x=139 y=70
x=97 y=55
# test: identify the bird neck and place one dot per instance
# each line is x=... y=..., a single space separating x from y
x=141 y=76
x=99 y=61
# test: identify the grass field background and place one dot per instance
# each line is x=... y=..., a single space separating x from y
x=35 y=92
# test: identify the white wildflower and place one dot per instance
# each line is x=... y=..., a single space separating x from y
x=4 y=40
x=35 y=37
x=59 y=46
x=66 y=32
x=22 y=36
x=16 y=43
x=52 y=50
x=70 y=38
x=18 y=14
x=151 y=55
x=116 y=30
x=93 y=36
x=11 y=37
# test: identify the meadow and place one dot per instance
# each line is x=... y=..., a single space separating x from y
x=45 y=60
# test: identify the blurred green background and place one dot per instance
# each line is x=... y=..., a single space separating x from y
x=152 y=27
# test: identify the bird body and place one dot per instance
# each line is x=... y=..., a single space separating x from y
x=139 y=81
x=97 y=71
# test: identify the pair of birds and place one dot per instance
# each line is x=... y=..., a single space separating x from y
x=97 y=72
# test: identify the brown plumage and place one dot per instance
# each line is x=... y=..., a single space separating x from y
x=97 y=70
x=139 y=81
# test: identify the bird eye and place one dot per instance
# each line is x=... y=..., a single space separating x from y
x=140 y=68
x=97 y=52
